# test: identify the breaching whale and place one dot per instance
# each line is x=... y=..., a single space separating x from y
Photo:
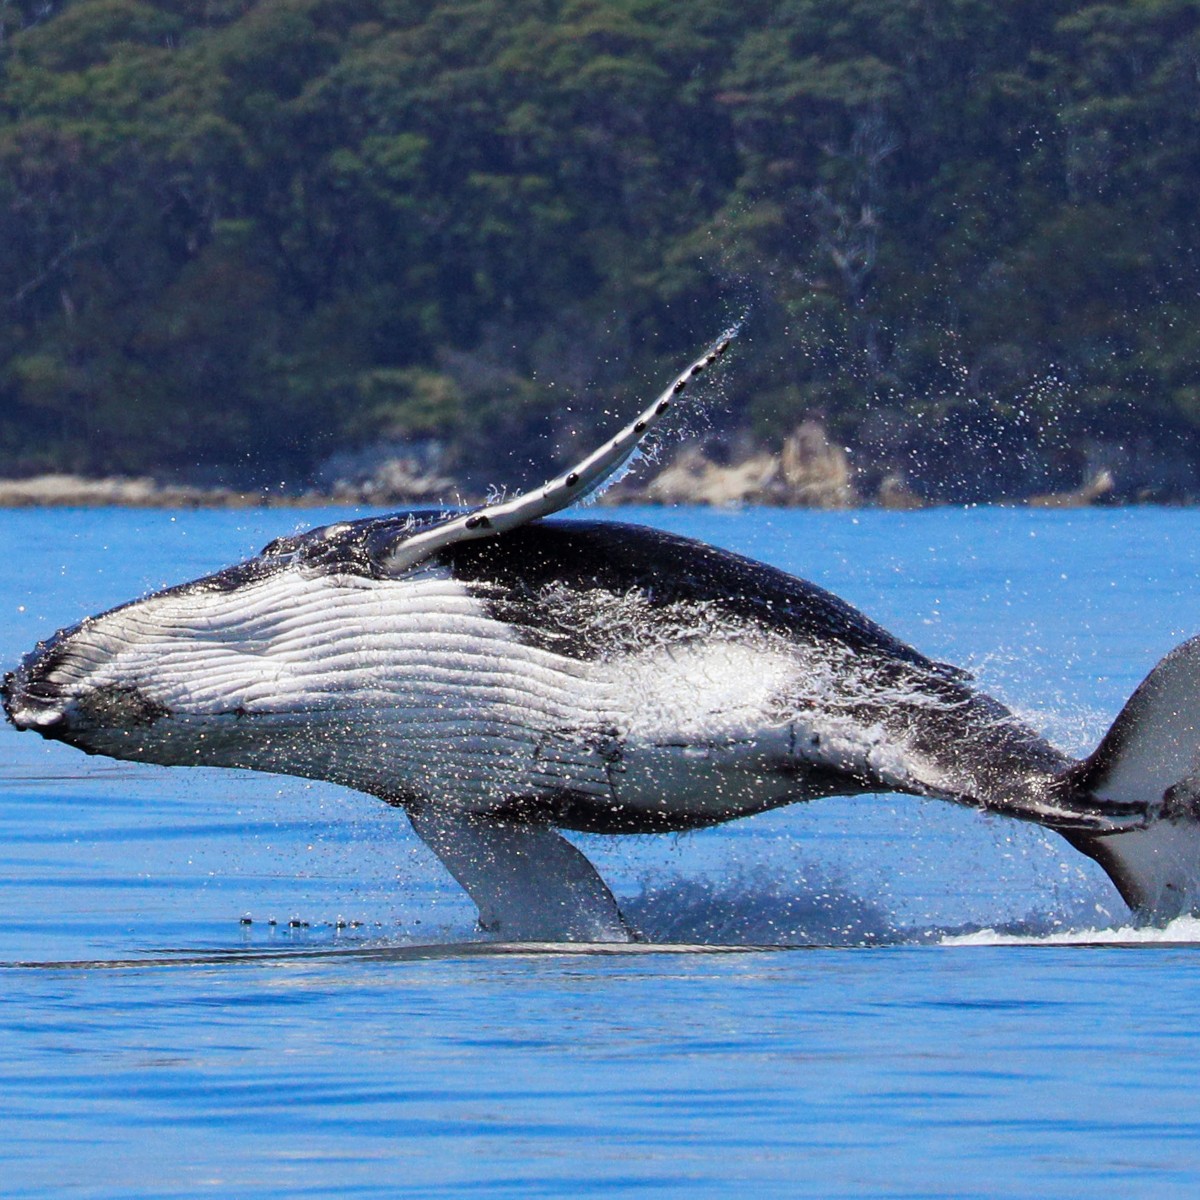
x=503 y=677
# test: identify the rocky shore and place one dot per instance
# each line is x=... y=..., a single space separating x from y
x=806 y=470
x=77 y=491
x=391 y=486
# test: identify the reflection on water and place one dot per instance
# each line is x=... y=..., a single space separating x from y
x=304 y=1006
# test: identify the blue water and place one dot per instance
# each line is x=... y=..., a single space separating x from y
x=969 y=1014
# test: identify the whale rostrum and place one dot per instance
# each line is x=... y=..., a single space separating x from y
x=504 y=677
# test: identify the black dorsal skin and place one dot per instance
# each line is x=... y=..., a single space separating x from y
x=549 y=558
x=575 y=556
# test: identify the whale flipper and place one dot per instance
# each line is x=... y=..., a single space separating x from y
x=556 y=494
x=1151 y=757
x=528 y=882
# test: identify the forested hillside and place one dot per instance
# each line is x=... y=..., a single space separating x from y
x=238 y=236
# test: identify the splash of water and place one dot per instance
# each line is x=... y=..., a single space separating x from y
x=1182 y=930
x=755 y=909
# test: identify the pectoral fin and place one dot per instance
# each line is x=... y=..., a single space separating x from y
x=559 y=493
x=528 y=882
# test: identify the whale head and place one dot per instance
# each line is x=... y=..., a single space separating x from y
x=69 y=689
x=155 y=680
x=293 y=661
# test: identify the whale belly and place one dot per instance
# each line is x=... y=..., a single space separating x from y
x=703 y=736
x=398 y=691
x=421 y=692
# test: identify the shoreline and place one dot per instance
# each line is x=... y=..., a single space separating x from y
x=68 y=491
x=807 y=469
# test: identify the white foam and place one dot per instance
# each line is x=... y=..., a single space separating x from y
x=1182 y=930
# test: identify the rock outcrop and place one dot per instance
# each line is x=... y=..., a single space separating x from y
x=806 y=471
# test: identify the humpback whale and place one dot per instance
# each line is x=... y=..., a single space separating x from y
x=503 y=677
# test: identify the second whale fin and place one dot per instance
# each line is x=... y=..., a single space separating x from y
x=528 y=882
x=556 y=494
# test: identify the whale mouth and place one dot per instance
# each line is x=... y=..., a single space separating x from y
x=48 y=694
x=33 y=695
x=49 y=721
x=45 y=710
x=32 y=702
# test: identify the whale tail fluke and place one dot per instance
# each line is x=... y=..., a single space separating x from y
x=1150 y=759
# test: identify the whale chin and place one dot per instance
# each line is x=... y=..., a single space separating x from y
x=107 y=722
x=48 y=694
x=31 y=703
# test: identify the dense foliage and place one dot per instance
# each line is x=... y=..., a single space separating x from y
x=238 y=234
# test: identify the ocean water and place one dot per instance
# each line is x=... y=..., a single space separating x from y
x=222 y=984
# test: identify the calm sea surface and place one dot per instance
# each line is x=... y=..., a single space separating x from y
x=228 y=985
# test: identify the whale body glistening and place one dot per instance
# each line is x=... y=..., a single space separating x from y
x=503 y=677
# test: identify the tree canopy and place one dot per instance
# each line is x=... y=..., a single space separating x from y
x=240 y=234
